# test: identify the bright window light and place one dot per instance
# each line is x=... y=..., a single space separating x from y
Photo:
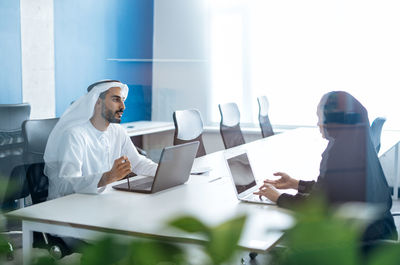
x=226 y=61
x=295 y=51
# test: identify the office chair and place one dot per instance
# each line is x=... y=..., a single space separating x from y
x=36 y=133
x=188 y=128
x=369 y=246
x=376 y=131
x=58 y=247
x=11 y=141
x=263 y=118
x=230 y=125
x=11 y=148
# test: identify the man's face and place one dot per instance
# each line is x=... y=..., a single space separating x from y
x=113 y=105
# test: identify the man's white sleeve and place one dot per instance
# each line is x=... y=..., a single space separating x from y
x=70 y=174
x=140 y=164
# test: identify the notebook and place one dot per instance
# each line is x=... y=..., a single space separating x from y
x=173 y=170
x=243 y=178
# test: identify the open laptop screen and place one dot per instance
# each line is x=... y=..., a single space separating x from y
x=241 y=172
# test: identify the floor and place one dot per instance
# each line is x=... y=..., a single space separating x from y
x=242 y=258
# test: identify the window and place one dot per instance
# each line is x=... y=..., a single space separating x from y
x=295 y=51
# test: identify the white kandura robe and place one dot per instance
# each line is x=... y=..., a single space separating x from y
x=86 y=153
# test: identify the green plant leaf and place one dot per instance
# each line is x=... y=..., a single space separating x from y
x=106 y=251
x=388 y=254
x=325 y=242
x=320 y=237
x=189 y=224
x=153 y=253
x=224 y=239
x=47 y=260
x=4 y=247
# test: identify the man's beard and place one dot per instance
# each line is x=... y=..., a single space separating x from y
x=109 y=116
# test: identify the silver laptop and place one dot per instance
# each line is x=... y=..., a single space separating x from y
x=173 y=170
x=243 y=178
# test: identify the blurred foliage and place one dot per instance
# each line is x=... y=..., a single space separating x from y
x=104 y=251
x=388 y=254
x=320 y=236
x=220 y=245
x=45 y=260
x=5 y=188
x=4 y=247
x=324 y=236
x=221 y=241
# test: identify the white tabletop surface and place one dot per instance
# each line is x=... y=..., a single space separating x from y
x=146 y=215
x=147 y=127
x=296 y=152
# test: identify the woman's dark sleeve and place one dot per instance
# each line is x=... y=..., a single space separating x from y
x=305 y=186
x=291 y=201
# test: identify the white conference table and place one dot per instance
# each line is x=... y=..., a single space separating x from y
x=139 y=128
x=210 y=198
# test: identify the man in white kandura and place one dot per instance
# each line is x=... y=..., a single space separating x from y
x=88 y=148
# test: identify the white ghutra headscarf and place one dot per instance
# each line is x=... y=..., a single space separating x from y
x=78 y=113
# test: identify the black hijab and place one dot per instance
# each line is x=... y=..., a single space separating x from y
x=350 y=169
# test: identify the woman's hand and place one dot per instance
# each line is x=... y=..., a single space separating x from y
x=269 y=191
x=285 y=182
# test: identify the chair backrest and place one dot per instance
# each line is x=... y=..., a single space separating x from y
x=36 y=133
x=12 y=116
x=263 y=118
x=230 y=125
x=376 y=131
x=189 y=128
x=11 y=149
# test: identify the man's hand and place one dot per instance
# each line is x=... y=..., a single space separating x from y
x=268 y=191
x=285 y=182
x=120 y=169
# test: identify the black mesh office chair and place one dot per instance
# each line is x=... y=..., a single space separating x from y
x=11 y=140
x=189 y=128
x=230 y=125
x=36 y=133
x=12 y=175
x=263 y=118
x=376 y=131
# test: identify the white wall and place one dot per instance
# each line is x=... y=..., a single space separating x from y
x=37 y=45
x=181 y=79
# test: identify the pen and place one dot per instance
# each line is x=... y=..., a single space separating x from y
x=129 y=186
x=214 y=179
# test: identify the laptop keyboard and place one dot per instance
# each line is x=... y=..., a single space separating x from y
x=143 y=182
x=256 y=198
x=144 y=186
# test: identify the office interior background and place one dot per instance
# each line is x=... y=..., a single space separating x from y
x=179 y=54
x=182 y=54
